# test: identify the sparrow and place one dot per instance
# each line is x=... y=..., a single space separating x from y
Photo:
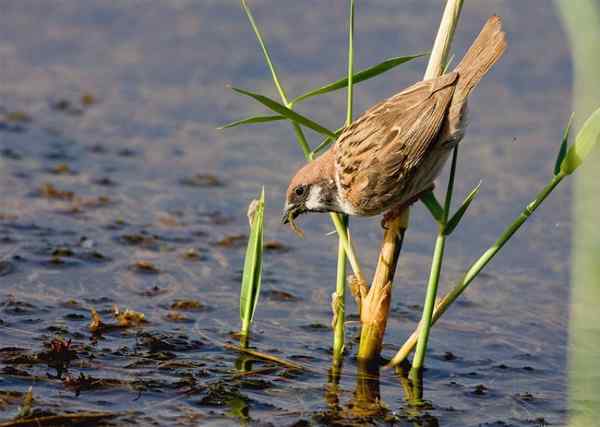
x=393 y=152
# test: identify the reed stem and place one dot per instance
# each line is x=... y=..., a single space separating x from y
x=476 y=268
x=340 y=290
x=434 y=275
x=339 y=305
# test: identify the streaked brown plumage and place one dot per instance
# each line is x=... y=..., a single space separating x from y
x=396 y=149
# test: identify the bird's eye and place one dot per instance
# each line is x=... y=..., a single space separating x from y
x=299 y=191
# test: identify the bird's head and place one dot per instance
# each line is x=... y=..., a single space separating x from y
x=312 y=189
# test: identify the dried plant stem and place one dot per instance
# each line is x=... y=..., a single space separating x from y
x=376 y=304
x=443 y=40
x=265 y=356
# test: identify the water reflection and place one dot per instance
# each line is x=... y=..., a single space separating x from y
x=366 y=404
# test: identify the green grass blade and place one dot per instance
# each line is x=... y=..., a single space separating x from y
x=563 y=146
x=350 y=78
x=340 y=289
x=252 y=121
x=251 y=278
x=285 y=111
x=585 y=141
x=360 y=76
x=436 y=210
x=263 y=46
x=453 y=222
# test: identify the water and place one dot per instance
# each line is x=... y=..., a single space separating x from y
x=151 y=179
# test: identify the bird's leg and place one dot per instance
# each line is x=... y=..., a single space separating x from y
x=398 y=210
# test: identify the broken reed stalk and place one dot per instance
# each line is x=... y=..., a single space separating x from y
x=376 y=303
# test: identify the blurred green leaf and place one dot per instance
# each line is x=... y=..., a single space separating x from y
x=252 y=121
x=251 y=278
x=563 y=146
x=453 y=222
x=284 y=111
x=585 y=141
x=358 y=77
x=434 y=206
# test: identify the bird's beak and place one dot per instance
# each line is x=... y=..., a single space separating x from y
x=291 y=210
x=285 y=218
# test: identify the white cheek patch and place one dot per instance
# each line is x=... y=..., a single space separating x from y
x=313 y=201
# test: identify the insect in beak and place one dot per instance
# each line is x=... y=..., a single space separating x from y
x=289 y=214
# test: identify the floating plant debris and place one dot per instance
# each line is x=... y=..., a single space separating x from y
x=201 y=180
x=49 y=191
x=146 y=267
x=187 y=305
x=17 y=117
x=87 y=99
x=128 y=317
x=236 y=240
x=61 y=169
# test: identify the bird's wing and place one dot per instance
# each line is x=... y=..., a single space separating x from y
x=377 y=153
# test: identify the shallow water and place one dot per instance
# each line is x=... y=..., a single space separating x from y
x=109 y=156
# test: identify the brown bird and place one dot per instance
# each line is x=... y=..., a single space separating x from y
x=391 y=154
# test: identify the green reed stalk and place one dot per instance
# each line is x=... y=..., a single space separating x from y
x=251 y=277
x=476 y=268
x=340 y=289
x=434 y=275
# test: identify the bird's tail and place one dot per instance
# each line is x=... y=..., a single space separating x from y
x=487 y=48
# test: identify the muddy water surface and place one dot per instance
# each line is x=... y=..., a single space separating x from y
x=117 y=190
